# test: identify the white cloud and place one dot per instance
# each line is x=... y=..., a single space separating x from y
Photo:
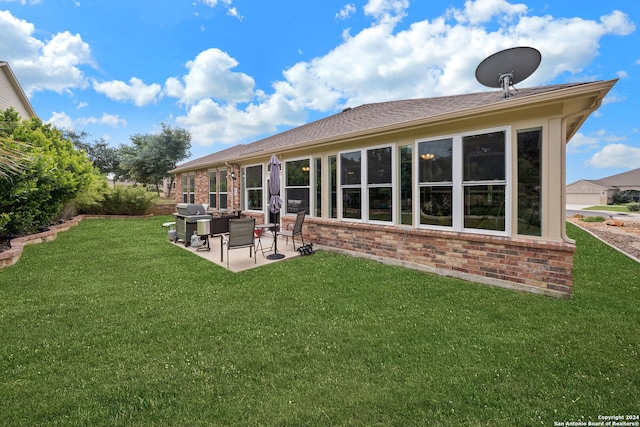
x=63 y=121
x=386 y=9
x=210 y=76
x=346 y=11
x=24 y=2
x=617 y=23
x=106 y=119
x=439 y=57
x=615 y=156
x=43 y=65
x=478 y=12
x=429 y=58
x=613 y=99
x=231 y=11
x=210 y=122
x=136 y=91
x=581 y=143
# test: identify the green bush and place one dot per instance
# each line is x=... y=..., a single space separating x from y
x=593 y=219
x=53 y=175
x=121 y=200
x=633 y=207
x=90 y=200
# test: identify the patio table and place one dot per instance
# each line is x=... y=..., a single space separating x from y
x=275 y=227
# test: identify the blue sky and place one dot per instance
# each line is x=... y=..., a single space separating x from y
x=234 y=71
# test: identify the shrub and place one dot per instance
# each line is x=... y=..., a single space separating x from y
x=622 y=198
x=53 y=175
x=121 y=200
x=593 y=219
x=90 y=200
x=633 y=207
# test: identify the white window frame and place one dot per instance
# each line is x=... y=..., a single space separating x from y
x=458 y=183
x=261 y=187
x=222 y=176
x=190 y=194
x=215 y=190
x=364 y=185
x=308 y=187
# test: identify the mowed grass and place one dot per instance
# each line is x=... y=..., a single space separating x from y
x=609 y=208
x=110 y=325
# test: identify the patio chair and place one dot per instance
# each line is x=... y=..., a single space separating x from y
x=296 y=230
x=241 y=235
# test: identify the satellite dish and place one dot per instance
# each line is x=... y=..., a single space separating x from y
x=508 y=67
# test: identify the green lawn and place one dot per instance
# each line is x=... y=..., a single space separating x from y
x=110 y=325
x=609 y=208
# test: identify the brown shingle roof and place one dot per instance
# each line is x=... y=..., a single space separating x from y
x=625 y=179
x=366 y=118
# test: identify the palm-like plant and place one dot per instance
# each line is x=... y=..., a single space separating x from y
x=13 y=157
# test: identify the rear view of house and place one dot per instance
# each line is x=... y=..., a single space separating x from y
x=470 y=186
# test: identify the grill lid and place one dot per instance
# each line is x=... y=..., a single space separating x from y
x=191 y=209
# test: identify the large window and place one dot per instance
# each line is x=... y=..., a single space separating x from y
x=333 y=187
x=529 y=182
x=366 y=184
x=213 y=189
x=297 y=186
x=350 y=184
x=406 y=187
x=222 y=188
x=188 y=188
x=379 y=184
x=484 y=181
x=254 y=189
x=318 y=186
x=435 y=172
x=185 y=188
x=462 y=181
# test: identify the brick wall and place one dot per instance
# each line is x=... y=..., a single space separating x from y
x=202 y=186
x=530 y=265
x=177 y=194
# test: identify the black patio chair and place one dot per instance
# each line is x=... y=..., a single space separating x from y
x=296 y=230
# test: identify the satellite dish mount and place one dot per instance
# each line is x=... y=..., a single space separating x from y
x=508 y=67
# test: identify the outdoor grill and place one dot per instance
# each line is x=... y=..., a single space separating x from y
x=187 y=220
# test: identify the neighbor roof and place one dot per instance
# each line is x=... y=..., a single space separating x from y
x=368 y=119
x=624 y=179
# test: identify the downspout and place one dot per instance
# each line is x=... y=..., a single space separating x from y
x=233 y=185
x=563 y=126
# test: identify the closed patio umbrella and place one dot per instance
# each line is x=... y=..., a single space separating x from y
x=275 y=201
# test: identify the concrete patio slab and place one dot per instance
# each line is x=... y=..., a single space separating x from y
x=239 y=258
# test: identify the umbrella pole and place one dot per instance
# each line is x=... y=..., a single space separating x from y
x=275 y=254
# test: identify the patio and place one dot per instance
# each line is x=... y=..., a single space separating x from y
x=239 y=258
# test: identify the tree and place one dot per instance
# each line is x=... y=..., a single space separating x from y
x=150 y=157
x=54 y=175
x=104 y=157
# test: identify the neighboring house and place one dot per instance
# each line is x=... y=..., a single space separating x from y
x=168 y=186
x=466 y=186
x=594 y=192
x=11 y=93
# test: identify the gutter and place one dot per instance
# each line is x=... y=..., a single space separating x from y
x=563 y=130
